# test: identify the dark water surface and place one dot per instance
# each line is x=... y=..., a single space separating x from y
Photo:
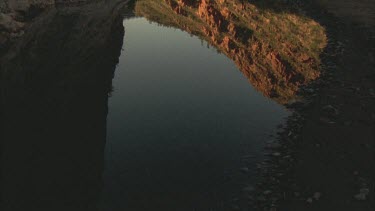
x=180 y=118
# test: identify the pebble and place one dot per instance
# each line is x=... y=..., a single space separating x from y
x=279 y=174
x=309 y=90
x=244 y=170
x=276 y=154
x=309 y=200
x=372 y=92
x=325 y=120
x=248 y=157
x=329 y=109
x=235 y=199
x=362 y=195
x=235 y=207
x=249 y=189
x=317 y=195
x=267 y=192
x=273 y=145
x=347 y=123
x=261 y=198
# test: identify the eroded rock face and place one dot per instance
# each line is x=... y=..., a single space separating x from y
x=277 y=51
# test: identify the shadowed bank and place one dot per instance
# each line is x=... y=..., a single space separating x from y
x=55 y=84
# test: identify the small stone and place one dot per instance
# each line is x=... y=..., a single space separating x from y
x=317 y=195
x=326 y=120
x=235 y=207
x=235 y=199
x=249 y=189
x=261 y=198
x=347 y=123
x=364 y=191
x=248 y=157
x=267 y=192
x=273 y=145
x=362 y=195
x=330 y=110
x=310 y=90
x=276 y=154
x=244 y=170
x=309 y=200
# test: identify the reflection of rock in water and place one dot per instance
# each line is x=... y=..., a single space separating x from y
x=276 y=51
x=54 y=90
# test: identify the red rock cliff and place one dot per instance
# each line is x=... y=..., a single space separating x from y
x=277 y=52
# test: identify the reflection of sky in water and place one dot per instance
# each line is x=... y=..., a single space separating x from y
x=180 y=118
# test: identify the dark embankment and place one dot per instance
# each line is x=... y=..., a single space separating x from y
x=55 y=83
x=278 y=51
x=325 y=159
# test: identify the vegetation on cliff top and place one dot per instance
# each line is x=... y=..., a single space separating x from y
x=276 y=48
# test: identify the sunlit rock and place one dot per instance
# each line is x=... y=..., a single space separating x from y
x=276 y=49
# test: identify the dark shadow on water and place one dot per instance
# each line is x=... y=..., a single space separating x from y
x=54 y=91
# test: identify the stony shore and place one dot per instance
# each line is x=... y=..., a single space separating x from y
x=324 y=159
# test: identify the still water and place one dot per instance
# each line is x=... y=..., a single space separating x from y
x=181 y=117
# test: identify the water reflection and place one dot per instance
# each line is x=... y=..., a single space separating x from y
x=54 y=92
x=183 y=124
x=180 y=118
x=276 y=50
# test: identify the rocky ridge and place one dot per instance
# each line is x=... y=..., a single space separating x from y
x=277 y=51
